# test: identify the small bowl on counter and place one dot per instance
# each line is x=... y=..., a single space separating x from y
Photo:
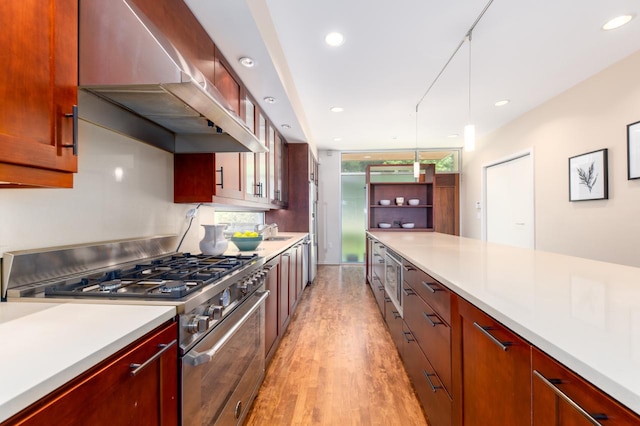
x=414 y=202
x=408 y=225
x=247 y=243
x=385 y=202
x=384 y=225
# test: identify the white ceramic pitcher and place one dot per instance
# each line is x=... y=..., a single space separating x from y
x=213 y=243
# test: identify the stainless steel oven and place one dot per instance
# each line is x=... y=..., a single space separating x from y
x=393 y=278
x=221 y=374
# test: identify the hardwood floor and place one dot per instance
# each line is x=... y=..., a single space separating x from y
x=336 y=364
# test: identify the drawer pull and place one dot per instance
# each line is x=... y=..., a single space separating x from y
x=502 y=345
x=408 y=336
x=137 y=368
x=380 y=260
x=408 y=291
x=430 y=287
x=408 y=268
x=428 y=377
x=387 y=299
x=396 y=315
x=380 y=287
x=592 y=418
x=428 y=318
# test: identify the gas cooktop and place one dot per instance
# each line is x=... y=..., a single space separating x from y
x=170 y=277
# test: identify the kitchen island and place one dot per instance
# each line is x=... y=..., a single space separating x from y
x=583 y=313
x=45 y=345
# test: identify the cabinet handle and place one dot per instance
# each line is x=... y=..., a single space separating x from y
x=387 y=299
x=286 y=254
x=430 y=287
x=428 y=377
x=428 y=318
x=396 y=314
x=221 y=171
x=137 y=368
x=380 y=288
x=503 y=345
x=408 y=291
x=74 y=116
x=408 y=336
x=408 y=268
x=592 y=418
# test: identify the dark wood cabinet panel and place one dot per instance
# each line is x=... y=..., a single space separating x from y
x=561 y=398
x=393 y=318
x=436 y=401
x=496 y=371
x=38 y=92
x=283 y=291
x=271 y=305
x=109 y=394
x=200 y=178
x=225 y=82
x=447 y=203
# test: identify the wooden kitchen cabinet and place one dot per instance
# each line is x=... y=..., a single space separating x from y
x=271 y=306
x=393 y=319
x=256 y=188
x=284 y=290
x=495 y=371
x=38 y=125
x=207 y=178
x=226 y=83
x=436 y=401
x=561 y=398
x=380 y=187
x=295 y=276
x=109 y=394
x=447 y=203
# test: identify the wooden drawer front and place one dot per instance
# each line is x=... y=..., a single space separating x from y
x=496 y=371
x=561 y=397
x=432 y=334
x=434 y=293
x=394 y=322
x=435 y=400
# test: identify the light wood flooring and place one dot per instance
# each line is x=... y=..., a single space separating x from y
x=336 y=364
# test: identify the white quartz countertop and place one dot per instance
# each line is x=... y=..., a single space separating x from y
x=583 y=313
x=268 y=248
x=44 y=345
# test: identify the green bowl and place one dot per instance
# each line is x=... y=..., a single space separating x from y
x=247 y=244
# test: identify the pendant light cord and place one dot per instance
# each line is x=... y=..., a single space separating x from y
x=467 y=35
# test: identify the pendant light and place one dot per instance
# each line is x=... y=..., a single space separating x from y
x=469 y=129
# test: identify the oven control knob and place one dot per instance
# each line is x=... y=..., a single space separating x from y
x=214 y=312
x=198 y=324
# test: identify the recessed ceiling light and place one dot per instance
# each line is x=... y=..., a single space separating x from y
x=453 y=135
x=270 y=100
x=334 y=39
x=502 y=102
x=337 y=109
x=286 y=126
x=337 y=139
x=617 y=22
x=246 y=61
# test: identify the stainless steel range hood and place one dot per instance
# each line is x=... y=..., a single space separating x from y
x=126 y=60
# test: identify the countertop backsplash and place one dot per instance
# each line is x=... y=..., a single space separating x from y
x=123 y=189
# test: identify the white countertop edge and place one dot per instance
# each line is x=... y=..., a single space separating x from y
x=29 y=396
x=623 y=395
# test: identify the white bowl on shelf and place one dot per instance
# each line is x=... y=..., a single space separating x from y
x=384 y=225
x=408 y=225
x=385 y=202
x=414 y=202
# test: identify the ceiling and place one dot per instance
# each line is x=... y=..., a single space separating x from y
x=522 y=50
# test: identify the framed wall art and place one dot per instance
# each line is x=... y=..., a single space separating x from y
x=633 y=151
x=588 y=176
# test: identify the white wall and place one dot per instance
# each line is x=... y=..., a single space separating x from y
x=100 y=208
x=590 y=116
x=329 y=208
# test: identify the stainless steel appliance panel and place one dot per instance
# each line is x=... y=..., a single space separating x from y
x=222 y=373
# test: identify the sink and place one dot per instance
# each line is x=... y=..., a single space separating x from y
x=278 y=238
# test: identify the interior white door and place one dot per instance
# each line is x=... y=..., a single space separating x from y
x=509 y=202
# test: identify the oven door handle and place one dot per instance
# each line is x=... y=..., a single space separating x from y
x=197 y=358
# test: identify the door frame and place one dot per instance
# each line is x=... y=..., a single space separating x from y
x=502 y=160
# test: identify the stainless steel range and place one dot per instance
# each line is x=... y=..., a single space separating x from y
x=219 y=301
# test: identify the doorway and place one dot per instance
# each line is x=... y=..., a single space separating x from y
x=509 y=200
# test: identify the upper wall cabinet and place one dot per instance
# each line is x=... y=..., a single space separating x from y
x=38 y=118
